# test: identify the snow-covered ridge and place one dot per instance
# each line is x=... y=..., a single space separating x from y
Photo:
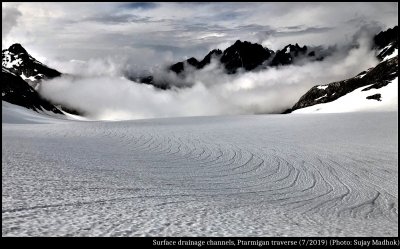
x=18 y=61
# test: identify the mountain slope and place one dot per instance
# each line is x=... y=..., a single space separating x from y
x=16 y=91
x=378 y=77
x=361 y=99
x=19 y=67
x=387 y=42
x=386 y=72
x=180 y=66
x=18 y=61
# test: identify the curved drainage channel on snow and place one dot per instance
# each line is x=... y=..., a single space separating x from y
x=276 y=175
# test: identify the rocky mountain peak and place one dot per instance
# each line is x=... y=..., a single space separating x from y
x=289 y=53
x=17 y=49
x=386 y=42
x=18 y=61
x=384 y=38
x=244 y=55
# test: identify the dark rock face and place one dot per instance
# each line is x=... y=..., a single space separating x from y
x=377 y=77
x=288 y=53
x=388 y=50
x=21 y=75
x=384 y=38
x=244 y=55
x=17 y=49
x=16 y=91
x=180 y=66
x=387 y=41
x=207 y=59
x=375 y=96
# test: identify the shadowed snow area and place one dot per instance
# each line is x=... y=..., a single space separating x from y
x=14 y=114
x=250 y=175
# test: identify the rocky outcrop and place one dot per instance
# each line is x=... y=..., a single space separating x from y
x=288 y=53
x=375 y=96
x=193 y=62
x=386 y=42
x=216 y=53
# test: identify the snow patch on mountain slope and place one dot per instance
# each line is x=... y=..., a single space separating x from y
x=321 y=97
x=322 y=87
x=8 y=63
x=30 y=78
x=357 y=101
x=392 y=55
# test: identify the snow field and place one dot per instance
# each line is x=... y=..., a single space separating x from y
x=265 y=175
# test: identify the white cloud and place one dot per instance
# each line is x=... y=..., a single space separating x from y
x=9 y=20
x=210 y=91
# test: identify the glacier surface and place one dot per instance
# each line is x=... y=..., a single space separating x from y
x=251 y=175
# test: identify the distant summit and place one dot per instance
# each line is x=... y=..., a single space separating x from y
x=244 y=55
x=180 y=66
x=22 y=75
x=17 y=49
x=18 y=61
